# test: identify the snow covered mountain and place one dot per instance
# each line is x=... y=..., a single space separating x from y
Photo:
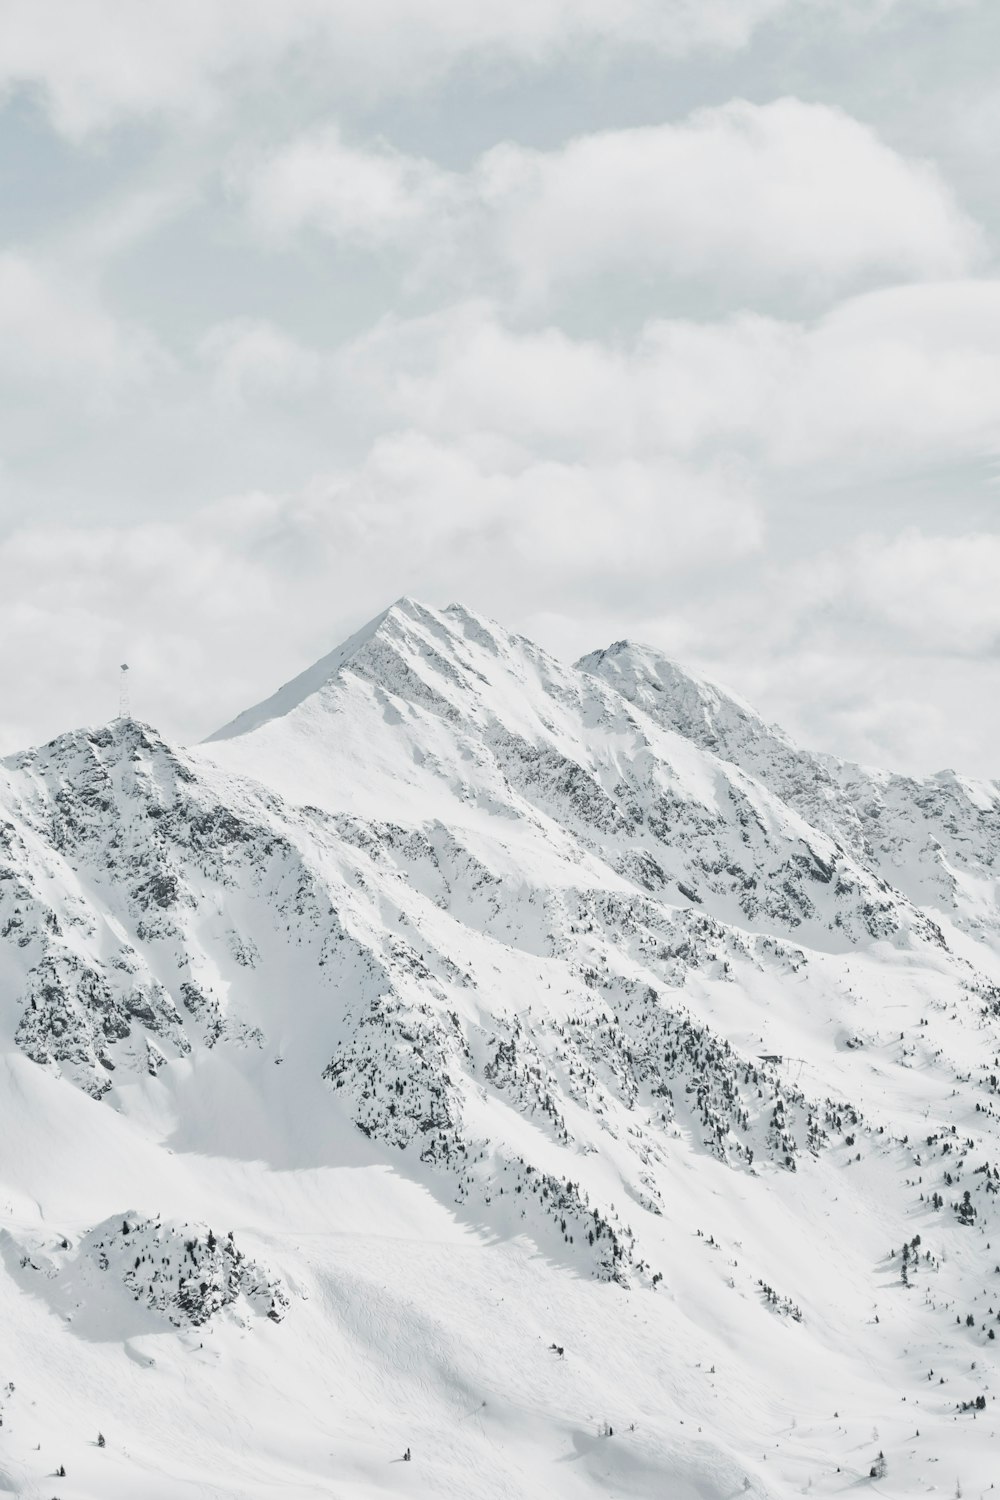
x=469 y=1052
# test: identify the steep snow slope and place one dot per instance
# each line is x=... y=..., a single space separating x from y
x=459 y=1051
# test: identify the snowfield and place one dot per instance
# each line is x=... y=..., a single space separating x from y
x=552 y=1070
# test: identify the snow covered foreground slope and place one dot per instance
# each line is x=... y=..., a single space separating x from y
x=468 y=1052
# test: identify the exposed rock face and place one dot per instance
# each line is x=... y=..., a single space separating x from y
x=185 y=1273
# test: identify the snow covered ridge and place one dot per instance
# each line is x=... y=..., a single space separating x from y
x=934 y=840
x=451 y=966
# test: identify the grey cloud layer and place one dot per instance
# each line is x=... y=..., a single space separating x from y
x=99 y=61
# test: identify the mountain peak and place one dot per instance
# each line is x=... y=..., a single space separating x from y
x=409 y=648
x=400 y=616
x=112 y=742
x=712 y=715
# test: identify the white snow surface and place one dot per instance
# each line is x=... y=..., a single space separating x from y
x=552 y=1070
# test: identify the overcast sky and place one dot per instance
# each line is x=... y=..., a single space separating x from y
x=671 y=319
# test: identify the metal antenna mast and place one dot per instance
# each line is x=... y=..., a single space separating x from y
x=123 y=708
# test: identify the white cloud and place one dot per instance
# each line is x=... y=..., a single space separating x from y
x=911 y=712
x=575 y=526
x=251 y=361
x=464 y=370
x=752 y=196
x=936 y=595
x=753 y=192
x=890 y=380
x=57 y=332
x=98 y=61
x=893 y=379
x=366 y=197
x=906 y=373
